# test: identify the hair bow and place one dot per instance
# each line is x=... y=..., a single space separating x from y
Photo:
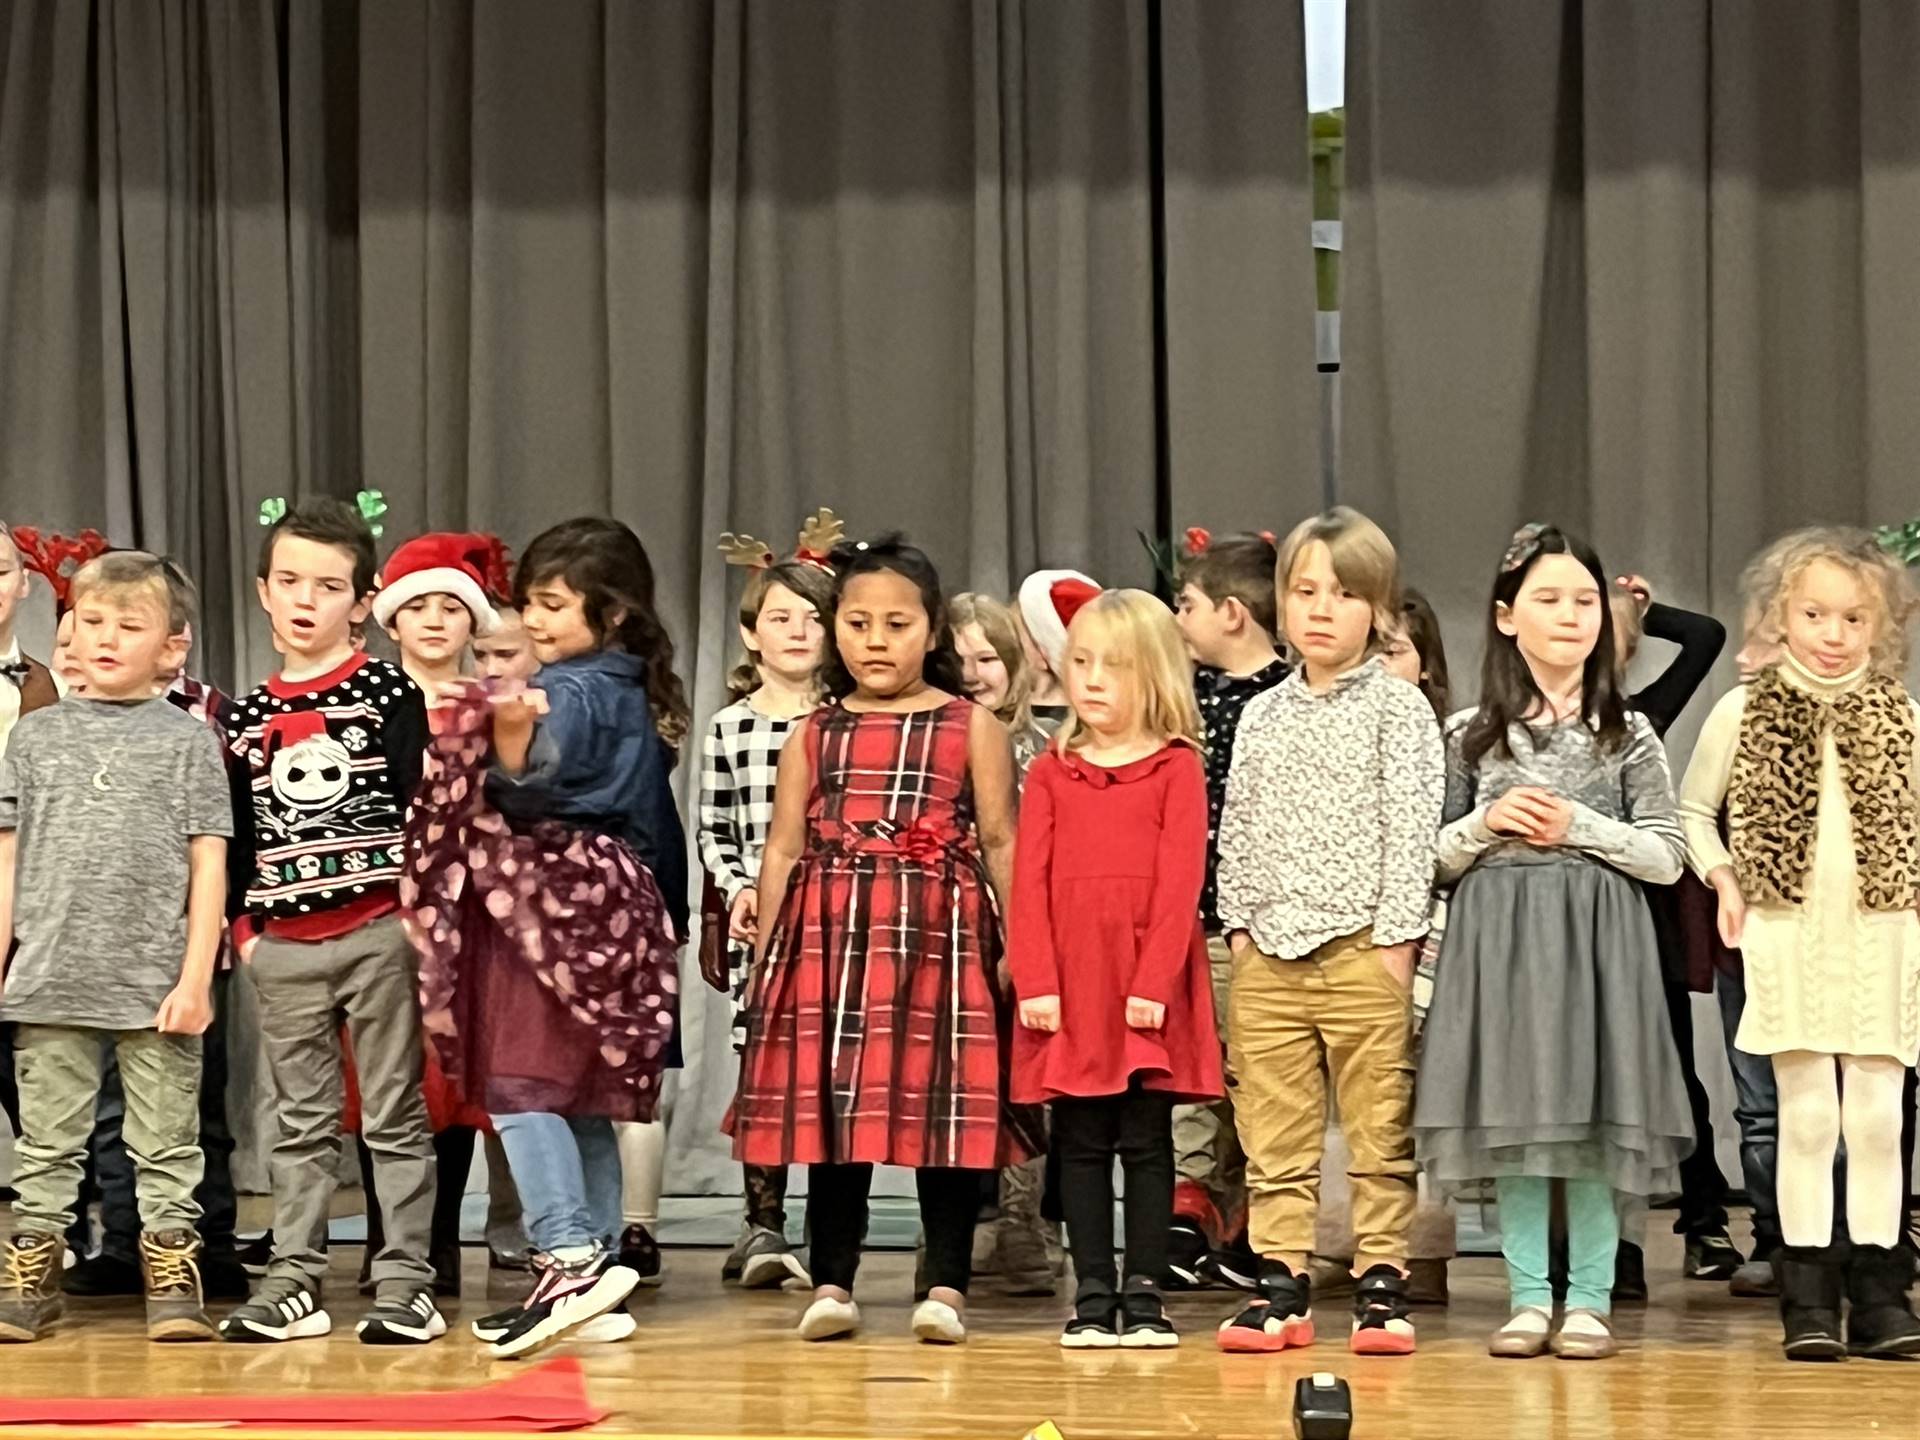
x=1523 y=547
x=1197 y=540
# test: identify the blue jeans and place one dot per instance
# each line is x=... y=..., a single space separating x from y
x=1756 y=1108
x=567 y=1169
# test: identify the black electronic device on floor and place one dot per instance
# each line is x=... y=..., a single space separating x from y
x=1322 y=1408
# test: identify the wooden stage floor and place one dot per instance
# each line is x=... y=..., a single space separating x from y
x=709 y=1362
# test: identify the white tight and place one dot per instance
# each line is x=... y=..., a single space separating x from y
x=643 y=1169
x=1822 y=1098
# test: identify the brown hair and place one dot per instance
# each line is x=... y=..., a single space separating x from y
x=1422 y=627
x=809 y=582
x=998 y=623
x=1768 y=582
x=327 y=521
x=1144 y=634
x=1361 y=554
x=1238 y=567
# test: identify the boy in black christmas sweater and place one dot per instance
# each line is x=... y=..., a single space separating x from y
x=333 y=747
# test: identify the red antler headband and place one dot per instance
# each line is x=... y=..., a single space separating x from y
x=55 y=558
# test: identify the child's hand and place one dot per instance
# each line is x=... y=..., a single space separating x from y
x=1553 y=830
x=185 y=1011
x=743 y=920
x=1733 y=907
x=1399 y=962
x=1041 y=1013
x=1145 y=1014
x=1639 y=589
x=1521 y=813
x=515 y=710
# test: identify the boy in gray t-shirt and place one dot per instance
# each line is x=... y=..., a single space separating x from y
x=114 y=819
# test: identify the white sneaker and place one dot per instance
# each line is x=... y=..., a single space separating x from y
x=829 y=1319
x=938 y=1323
x=608 y=1329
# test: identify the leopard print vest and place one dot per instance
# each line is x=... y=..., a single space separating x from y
x=1773 y=800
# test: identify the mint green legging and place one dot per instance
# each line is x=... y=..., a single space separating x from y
x=1593 y=1235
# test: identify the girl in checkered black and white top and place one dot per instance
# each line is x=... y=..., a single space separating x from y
x=776 y=687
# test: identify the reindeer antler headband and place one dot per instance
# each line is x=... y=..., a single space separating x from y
x=822 y=531
x=56 y=558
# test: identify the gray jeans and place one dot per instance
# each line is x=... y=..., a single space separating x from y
x=59 y=1075
x=369 y=978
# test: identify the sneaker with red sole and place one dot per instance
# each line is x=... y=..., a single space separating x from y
x=1279 y=1318
x=1380 y=1323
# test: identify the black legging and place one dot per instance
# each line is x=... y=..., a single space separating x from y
x=453 y=1163
x=837 y=1223
x=1703 y=1189
x=1087 y=1135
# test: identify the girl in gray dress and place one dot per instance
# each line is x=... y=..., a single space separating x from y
x=1547 y=1052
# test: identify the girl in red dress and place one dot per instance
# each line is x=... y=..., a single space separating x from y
x=1108 y=955
x=876 y=1031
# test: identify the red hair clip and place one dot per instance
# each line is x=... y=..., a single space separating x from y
x=1197 y=540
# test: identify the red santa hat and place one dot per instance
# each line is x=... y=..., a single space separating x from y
x=1049 y=599
x=441 y=564
x=290 y=728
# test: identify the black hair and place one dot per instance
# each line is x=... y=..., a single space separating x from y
x=1239 y=567
x=604 y=562
x=892 y=554
x=1508 y=693
x=1423 y=633
x=327 y=521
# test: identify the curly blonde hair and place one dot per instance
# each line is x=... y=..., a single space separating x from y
x=1768 y=582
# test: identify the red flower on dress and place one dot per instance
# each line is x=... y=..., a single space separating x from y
x=922 y=843
x=1197 y=540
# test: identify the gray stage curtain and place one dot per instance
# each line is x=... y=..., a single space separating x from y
x=1633 y=265
x=702 y=266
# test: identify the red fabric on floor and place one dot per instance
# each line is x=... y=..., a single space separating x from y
x=550 y=1397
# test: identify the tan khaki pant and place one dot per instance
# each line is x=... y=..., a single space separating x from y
x=1206 y=1146
x=1294 y=1023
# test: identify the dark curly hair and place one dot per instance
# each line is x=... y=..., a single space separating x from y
x=892 y=554
x=605 y=563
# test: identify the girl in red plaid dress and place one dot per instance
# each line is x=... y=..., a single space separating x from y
x=877 y=1028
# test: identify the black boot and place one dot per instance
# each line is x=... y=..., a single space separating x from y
x=1810 y=1303
x=1880 y=1323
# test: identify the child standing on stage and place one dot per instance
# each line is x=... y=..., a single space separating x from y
x=1326 y=870
x=876 y=1033
x=1229 y=617
x=1046 y=602
x=559 y=1019
x=1817 y=761
x=333 y=747
x=1547 y=1053
x=775 y=688
x=435 y=599
x=114 y=818
x=1108 y=959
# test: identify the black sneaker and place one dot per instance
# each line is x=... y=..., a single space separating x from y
x=1629 y=1275
x=1096 y=1319
x=257 y=1254
x=281 y=1309
x=640 y=1254
x=1144 y=1317
x=408 y=1318
x=1236 y=1266
x=1380 y=1323
x=106 y=1275
x=1281 y=1318
x=1712 y=1256
x=568 y=1296
x=1187 y=1257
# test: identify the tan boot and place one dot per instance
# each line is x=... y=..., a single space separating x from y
x=170 y=1261
x=30 y=1298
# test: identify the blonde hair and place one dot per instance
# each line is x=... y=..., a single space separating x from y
x=998 y=624
x=133 y=577
x=1629 y=627
x=1362 y=557
x=1768 y=582
x=1143 y=635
